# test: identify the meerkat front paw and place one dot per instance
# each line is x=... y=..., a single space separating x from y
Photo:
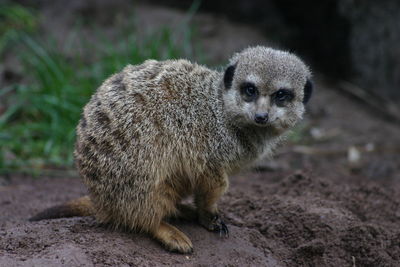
x=213 y=222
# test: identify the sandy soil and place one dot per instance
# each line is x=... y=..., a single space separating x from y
x=274 y=219
x=313 y=204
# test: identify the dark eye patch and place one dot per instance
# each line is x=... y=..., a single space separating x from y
x=282 y=96
x=248 y=91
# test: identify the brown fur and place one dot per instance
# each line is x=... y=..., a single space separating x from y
x=156 y=133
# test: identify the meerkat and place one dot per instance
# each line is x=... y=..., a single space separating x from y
x=161 y=131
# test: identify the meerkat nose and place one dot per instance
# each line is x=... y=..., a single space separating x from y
x=261 y=118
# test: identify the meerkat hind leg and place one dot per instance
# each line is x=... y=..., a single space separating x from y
x=172 y=238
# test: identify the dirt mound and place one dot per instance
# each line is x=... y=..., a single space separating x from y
x=309 y=221
x=300 y=220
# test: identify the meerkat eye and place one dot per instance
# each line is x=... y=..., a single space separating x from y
x=282 y=95
x=249 y=91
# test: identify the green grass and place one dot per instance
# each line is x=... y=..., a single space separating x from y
x=15 y=19
x=37 y=130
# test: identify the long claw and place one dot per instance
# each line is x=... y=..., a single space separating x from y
x=225 y=229
x=220 y=227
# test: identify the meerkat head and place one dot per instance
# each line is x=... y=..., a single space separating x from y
x=266 y=88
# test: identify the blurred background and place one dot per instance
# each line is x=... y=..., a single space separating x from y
x=55 y=53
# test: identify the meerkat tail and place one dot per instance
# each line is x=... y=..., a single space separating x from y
x=82 y=206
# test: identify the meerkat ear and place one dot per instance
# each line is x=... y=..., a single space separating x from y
x=308 y=88
x=228 y=76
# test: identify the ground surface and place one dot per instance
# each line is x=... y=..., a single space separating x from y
x=275 y=219
x=330 y=197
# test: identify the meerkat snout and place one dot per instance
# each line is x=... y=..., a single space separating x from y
x=261 y=118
